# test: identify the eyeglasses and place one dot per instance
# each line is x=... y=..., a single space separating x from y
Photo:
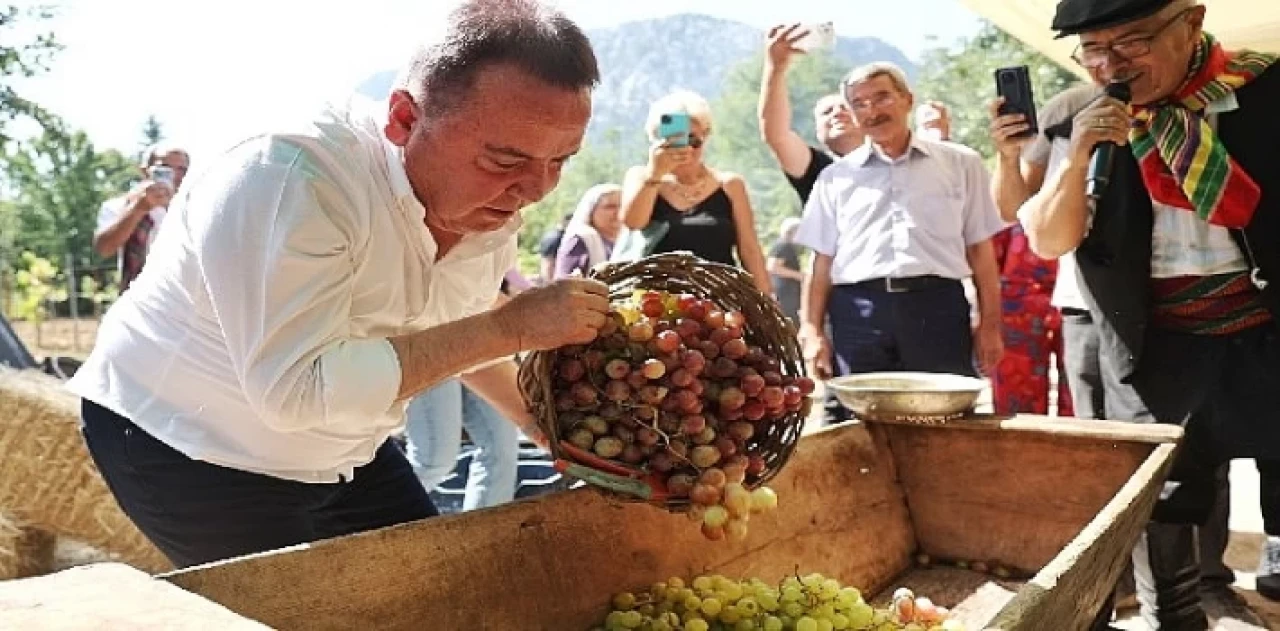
x=883 y=99
x=1093 y=56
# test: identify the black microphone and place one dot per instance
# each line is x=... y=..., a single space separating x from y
x=1100 y=163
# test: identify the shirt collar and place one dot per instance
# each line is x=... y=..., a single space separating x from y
x=402 y=191
x=1227 y=103
x=863 y=154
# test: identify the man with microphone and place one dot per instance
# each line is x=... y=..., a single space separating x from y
x=1178 y=246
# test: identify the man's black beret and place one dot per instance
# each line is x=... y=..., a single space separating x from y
x=1081 y=16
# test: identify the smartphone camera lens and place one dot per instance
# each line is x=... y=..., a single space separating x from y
x=666 y=119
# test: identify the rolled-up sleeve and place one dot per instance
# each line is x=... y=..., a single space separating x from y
x=276 y=248
x=818 y=228
x=981 y=217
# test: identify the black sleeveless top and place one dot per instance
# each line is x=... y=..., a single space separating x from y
x=706 y=229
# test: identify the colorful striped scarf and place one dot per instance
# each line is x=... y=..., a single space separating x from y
x=1184 y=164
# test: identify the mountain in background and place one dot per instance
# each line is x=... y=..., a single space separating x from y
x=642 y=61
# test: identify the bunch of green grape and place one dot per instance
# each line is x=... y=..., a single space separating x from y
x=809 y=603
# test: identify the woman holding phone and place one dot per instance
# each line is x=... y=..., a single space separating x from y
x=699 y=209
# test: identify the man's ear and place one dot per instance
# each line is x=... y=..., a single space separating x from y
x=402 y=114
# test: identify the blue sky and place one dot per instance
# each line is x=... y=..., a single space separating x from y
x=211 y=71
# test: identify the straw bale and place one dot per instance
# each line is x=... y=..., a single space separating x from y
x=24 y=551
x=47 y=478
x=10 y=534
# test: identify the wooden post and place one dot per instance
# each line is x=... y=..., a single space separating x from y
x=73 y=294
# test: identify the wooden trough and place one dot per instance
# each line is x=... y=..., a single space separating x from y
x=1058 y=503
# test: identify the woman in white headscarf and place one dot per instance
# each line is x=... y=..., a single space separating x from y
x=589 y=237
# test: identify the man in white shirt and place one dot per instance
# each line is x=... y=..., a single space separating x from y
x=128 y=224
x=895 y=226
x=311 y=281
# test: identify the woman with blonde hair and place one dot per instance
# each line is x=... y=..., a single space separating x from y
x=588 y=239
x=702 y=210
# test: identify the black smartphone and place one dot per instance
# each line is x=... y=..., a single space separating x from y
x=1014 y=84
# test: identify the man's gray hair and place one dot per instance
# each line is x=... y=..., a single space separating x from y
x=870 y=71
x=156 y=152
x=527 y=34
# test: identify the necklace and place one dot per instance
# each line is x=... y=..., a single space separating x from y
x=689 y=194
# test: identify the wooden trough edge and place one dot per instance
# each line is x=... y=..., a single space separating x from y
x=1151 y=433
x=1090 y=565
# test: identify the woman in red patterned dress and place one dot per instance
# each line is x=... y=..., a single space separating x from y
x=1032 y=329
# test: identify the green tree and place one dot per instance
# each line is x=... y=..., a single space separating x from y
x=963 y=77
x=21 y=60
x=152 y=131
x=59 y=180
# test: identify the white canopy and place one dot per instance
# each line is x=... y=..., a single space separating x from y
x=1251 y=24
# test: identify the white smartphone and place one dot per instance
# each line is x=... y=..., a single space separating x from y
x=161 y=173
x=820 y=37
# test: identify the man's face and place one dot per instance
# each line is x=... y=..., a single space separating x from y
x=496 y=150
x=176 y=160
x=834 y=124
x=1152 y=54
x=881 y=110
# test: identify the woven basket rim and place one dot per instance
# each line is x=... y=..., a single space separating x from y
x=729 y=287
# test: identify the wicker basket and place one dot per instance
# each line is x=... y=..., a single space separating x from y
x=730 y=288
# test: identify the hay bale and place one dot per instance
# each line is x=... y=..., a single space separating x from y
x=24 y=551
x=47 y=478
x=10 y=533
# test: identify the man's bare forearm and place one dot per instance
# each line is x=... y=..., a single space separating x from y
x=986 y=282
x=431 y=356
x=1008 y=187
x=815 y=292
x=1056 y=218
x=110 y=239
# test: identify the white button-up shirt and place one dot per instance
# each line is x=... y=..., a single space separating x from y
x=256 y=337
x=879 y=217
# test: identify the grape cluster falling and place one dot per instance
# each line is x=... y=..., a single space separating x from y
x=672 y=390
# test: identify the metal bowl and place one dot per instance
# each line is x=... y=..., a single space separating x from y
x=907 y=396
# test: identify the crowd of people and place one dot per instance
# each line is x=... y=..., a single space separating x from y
x=314 y=293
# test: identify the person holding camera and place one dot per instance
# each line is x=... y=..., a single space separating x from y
x=127 y=225
x=695 y=208
x=1178 y=259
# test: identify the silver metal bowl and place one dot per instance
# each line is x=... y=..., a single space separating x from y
x=907 y=396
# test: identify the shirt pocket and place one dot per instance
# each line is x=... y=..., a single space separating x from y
x=936 y=206
x=859 y=208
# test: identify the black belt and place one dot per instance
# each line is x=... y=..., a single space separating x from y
x=905 y=284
